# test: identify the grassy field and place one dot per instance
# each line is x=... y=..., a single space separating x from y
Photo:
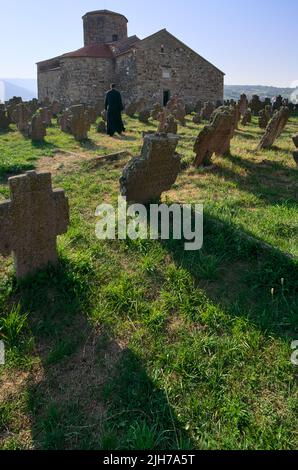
x=141 y=345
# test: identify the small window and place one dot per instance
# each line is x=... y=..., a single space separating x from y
x=166 y=73
x=162 y=49
x=115 y=37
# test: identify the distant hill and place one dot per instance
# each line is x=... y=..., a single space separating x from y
x=234 y=91
x=26 y=88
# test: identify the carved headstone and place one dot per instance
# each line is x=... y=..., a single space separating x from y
x=167 y=123
x=31 y=221
x=22 y=116
x=145 y=178
x=275 y=128
x=64 y=121
x=215 y=137
x=46 y=115
x=256 y=105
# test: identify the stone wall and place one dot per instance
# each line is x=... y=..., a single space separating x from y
x=103 y=28
x=79 y=80
x=162 y=63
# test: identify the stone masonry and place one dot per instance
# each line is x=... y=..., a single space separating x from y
x=153 y=69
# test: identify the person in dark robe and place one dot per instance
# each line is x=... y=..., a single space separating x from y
x=114 y=107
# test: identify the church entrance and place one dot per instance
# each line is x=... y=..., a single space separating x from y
x=166 y=97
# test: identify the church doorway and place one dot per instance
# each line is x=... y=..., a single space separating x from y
x=166 y=97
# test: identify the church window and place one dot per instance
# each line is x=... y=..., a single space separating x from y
x=162 y=49
x=115 y=37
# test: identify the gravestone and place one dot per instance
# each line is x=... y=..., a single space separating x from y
x=31 y=221
x=79 y=122
x=275 y=127
x=157 y=108
x=145 y=178
x=64 y=121
x=22 y=116
x=236 y=115
x=56 y=108
x=198 y=107
x=102 y=127
x=243 y=104
x=295 y=153
x=246 y=118
x=197 y=118
x=207 y=110
x=167 y=123
x=215 y=137
x=180 y=113
x=46 y=115
x=278 y=103
x=37 y=127
x=144 y=116
x=4 y=120
x=256 y=105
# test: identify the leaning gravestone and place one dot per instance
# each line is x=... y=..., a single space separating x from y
x=31 y=221
x=145 y=178
x=275 y=128
x=215 y=137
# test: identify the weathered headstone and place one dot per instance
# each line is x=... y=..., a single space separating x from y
x=22 y=116
x=46 y=115
x=197 y=119
x=31 y=221
x=145 y=178
x=4 y=120
x=236 y=114
x=37 y=127
x=144 y=116
x=207 y=110
x=243 y=104
x=167 y=123
x=102 y=127
x=180 y=113
x=64 y=121
x=278 y=103
x=275 y=128
x=215 y=137
x=157 y=108
x=79 y=122
x=246 y=118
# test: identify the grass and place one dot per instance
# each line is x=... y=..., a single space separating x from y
x=139 y=344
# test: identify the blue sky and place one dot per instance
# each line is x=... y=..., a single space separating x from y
x=252 y=41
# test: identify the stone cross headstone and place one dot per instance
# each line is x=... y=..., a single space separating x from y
x=157 y=108
x=144 y=116
x=23 y=117
x=207 y=110
x=275 y=128
x=215 y=137
x=167 y=123
x=31 y=221
x=145 y=178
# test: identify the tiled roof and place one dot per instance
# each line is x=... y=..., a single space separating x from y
x=101 y=51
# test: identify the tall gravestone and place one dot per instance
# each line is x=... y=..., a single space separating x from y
x=275 y=128
x=215 y=137
x=145 y=178
x=31 y=220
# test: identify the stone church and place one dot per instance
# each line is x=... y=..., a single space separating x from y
x=154 y=68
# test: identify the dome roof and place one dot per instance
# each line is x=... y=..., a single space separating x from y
x=104 y=12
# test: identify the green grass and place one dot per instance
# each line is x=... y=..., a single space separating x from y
x=139 y=344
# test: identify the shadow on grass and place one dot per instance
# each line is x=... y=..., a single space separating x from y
x=238 y=273
x=268 y=180
x=6 y=171
x=92 y=392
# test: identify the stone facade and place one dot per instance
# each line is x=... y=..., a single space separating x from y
x=154 y=69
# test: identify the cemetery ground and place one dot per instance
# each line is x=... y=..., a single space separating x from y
x=139 y=344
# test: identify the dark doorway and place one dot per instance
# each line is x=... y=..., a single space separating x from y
x=166 y=97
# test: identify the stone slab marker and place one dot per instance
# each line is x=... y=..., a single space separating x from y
x=31 y=221
x=275 y=128
x=145 y=178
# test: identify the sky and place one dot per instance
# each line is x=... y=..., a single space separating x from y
x=253 y=41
